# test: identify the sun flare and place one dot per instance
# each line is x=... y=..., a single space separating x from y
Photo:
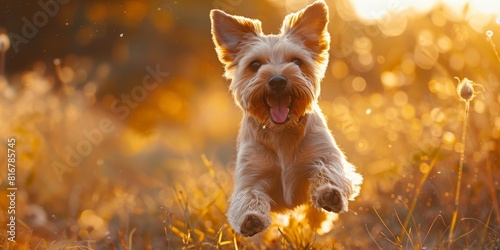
x=478 y=13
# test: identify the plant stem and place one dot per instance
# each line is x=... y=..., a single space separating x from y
x=459 y=181
x=494 y=48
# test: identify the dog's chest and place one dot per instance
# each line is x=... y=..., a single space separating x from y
x=286 y=146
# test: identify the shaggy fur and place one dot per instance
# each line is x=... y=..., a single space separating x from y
x=286 y=154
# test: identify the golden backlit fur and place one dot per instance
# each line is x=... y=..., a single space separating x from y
x=286 y=153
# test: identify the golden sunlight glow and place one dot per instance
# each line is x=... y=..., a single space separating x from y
x=282 y=220
x=391 y=14
x=449 y=138
x=327 y=224
x=424 y=168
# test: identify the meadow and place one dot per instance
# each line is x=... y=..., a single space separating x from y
x=125 y=131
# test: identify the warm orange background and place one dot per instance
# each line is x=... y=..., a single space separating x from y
x=162 y=174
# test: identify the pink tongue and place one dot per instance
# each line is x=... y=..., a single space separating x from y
x=279 y=108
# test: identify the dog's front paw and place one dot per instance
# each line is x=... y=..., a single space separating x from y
x=330 y=199
x=253 y=223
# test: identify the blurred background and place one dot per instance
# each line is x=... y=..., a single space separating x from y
x=125 y=129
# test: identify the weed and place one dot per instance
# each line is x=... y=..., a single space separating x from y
x=466 y=92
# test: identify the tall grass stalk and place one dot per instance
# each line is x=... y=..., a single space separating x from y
x=466 y=93
x=489 y=34
x=459 y=181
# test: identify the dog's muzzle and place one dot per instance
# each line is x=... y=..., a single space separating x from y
x=278 y=101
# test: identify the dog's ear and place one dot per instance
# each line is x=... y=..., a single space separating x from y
x=229 y=32
x=310 y=26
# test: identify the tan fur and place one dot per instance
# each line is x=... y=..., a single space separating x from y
x=281 y=166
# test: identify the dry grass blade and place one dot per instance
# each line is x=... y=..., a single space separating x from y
x=432 y=225
x=130 y=235
x=417 y=193
x=235 y=242
x=486 y=226
x=407 y=232
x=463 y=235
x=24 y=224
x=185 y=208
x=42 y=244
x=371 y=236
x=285 y=237
x=396 y=240
x=452 y=227
x=200 y=234
x=184 y=237
x=218 y=235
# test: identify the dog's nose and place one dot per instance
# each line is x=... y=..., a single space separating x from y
x=277 y=82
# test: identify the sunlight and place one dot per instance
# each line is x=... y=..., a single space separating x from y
x=282 y=220
x=477 y=12
x=327 y=224
x=374 y=9
x=381 y=9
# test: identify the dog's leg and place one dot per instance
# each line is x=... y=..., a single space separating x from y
x=333 y=180
x=332 y=187
x=249 y=211
x=250 y=204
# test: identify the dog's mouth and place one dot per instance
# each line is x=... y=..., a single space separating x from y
x=279 y=107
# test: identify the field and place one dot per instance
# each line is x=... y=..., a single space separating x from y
x=120 y=130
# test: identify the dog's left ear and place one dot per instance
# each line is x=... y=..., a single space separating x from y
x=310 y=26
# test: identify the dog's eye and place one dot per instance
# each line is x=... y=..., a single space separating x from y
x=297 y=61
x=255 y=65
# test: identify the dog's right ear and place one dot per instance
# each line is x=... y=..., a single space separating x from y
x=229 y=32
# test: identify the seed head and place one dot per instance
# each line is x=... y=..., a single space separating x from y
x=4 y=43
x=489 y=33
x=466 y=89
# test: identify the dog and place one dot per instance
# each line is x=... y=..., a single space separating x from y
x=286 y=155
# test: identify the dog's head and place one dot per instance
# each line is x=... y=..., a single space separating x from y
x=275 y=78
